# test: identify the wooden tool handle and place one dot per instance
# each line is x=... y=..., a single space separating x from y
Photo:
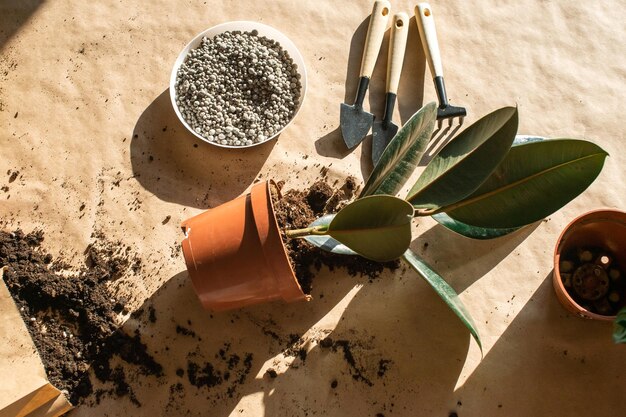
x=397 y=46
x=375 y=33
x=428 y=34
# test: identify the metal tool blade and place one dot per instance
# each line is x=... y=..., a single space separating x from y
x=381 y=136
x=354 y=121
x=355 y=124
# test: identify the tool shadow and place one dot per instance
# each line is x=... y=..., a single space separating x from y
x=410 y=90
x=332 y=145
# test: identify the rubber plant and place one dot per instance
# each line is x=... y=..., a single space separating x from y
x=481 y=185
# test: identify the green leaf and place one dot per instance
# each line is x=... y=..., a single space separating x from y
x=376 y=227
x=483 y=233
x=619 y=329
x=470 y=231
x=444 y=290
x=402 y=154
x=466 y=161
x=534 y=180
x=326 y=242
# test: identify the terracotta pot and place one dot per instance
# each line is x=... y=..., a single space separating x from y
x=235 y=255
x=605 y=229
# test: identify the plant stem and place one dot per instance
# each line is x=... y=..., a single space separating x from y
x=425 y=212
x=314 y=230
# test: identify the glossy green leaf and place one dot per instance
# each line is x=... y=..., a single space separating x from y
x=444 y=290
x=482 y=233
x=402 y=154
x=466 y=161
x=326 y=242
x=619 y=329
x=376 y=227
x=470 y=231
x=534 y=180
x=474 y=232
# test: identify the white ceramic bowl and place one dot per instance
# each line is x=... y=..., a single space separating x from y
x=243 y=26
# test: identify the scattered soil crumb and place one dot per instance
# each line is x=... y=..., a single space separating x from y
x=326 y=343
x=383 y=367
x=271 y=373
x=295 y=347
x=346 y=347
x=184 y=331
x=72 y=319
x=228 y=369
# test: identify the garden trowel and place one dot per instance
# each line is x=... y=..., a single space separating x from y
x=385 y=130
x=356 y=122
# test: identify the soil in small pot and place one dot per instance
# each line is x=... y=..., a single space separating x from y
x=594 y=280
x=296 y=209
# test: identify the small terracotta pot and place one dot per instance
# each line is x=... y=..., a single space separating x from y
x=235 y=255
x=604 y=228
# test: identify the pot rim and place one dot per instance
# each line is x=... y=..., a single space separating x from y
x=289 y=293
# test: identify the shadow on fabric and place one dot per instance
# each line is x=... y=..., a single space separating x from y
x=210 y=360
x=547 y=362
x=396 y=346
x=177 y=167
x=462 y=260
x=13 y=14
x=396 y=350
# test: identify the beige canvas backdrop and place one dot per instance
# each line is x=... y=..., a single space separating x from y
x=87 y=124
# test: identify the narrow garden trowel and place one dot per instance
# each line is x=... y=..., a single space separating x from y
x=385 y=130
x=426 y=26
x=356 y=122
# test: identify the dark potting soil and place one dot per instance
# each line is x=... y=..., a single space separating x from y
x=72 y=319
x=297 y=209
x=604 y=293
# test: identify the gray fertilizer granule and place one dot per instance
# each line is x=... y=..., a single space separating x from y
x=238 y=88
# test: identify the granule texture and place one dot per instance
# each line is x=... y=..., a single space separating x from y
x=238 y=88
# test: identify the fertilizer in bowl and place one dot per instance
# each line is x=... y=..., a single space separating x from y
x=238 y=88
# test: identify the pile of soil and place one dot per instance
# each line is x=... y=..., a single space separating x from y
x=73 y=320
x=297 y=209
